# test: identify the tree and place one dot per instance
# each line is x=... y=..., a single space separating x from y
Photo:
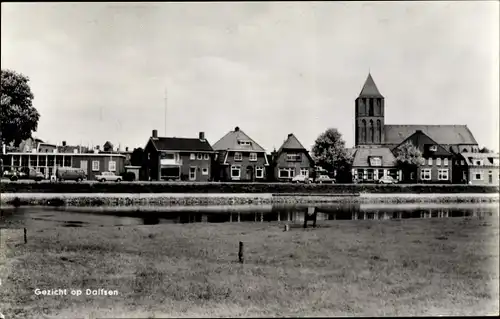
x=409 y=157
x=18 y=117
x=330 y=153
x=137 y=157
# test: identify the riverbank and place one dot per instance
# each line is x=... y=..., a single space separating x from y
x=157 y=199
x=420 y=267
x=238 y=188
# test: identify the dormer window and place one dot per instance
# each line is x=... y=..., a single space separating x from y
x=433 y=148
x=244 y=143
x=375 y=161
x=292 y=157
x=478 y=162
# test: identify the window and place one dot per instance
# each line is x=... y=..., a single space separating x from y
x=478 y=176
x=478 y=162
x=244 y=143
x=253 y=157
x=204 y=171
x=375 y=161
x=425 y=174
x=442 y=174
x=67 y=161
x=192 y=173
x=433 y=148
x=286 y=173
x=438 y=161
x=200 y=156
x=462 y=162
x=50 y=160
x=169 y=156
x=445 y=162
x=32 y=160
x=235 y=172
x=84 y=165
x=59 y=160
x=42 y=161
x=206 y=157
x=112 y=166
x=192 y=156
x=304 y=172
x=259 y=172
x=292 y=157
x=95 y=165
x=238 y=156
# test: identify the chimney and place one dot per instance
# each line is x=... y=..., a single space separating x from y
x=202 y=136
x=155 y=133
x=290 y=135
x=236 y=129
x=126 y=149
x=63 y=143
x=97 y=147
x=418 y=131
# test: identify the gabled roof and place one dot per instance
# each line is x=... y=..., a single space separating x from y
x=370 y=88
x=362 y=155
x=291 y=143
x=181 y=144
x=231 y=139
x=420 y=140
x=442 y=134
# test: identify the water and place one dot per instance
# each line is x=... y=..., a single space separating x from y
x=124 y=216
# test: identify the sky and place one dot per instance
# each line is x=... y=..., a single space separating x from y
x=104 y=72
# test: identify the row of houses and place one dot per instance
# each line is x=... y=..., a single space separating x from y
x=450 y=152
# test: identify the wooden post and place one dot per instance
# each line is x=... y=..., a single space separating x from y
x=25 y=236
x=240 y=254
x=287 y=228
x=261 y=217
x=230 y=217
x=279 y=216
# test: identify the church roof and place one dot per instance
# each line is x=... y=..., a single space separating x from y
x=442 y=134
x=370 y=88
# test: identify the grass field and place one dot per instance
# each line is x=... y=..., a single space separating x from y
x=343 y=268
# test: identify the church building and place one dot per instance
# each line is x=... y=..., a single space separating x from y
x=377 y=142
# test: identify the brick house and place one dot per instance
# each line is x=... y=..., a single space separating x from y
x=480 y=168
x=175 y=158
x=292 y=159
x=438 y=162
x=239 y=158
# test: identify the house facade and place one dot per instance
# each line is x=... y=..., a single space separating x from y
x=437 y=165
x=371 y=132
x=173 y=158
x=481 y=168
x=240 y=158
x=292 y=159
x=47 y=163
x=371 y=164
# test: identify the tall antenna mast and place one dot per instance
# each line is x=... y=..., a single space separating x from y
x=165 y=134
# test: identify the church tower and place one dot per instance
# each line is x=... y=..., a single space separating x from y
x=369 y=115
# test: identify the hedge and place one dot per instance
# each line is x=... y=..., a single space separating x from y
x=278 y=188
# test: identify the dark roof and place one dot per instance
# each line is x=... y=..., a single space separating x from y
x=362 y=157
x=370 y=88
x=181 y=144
x=292 y=143
x=421 y=141
x=442 y=134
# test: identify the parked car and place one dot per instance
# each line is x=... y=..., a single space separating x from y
x=29 y=173
x=387 y=180
x=70 y=174
x=108 y=177
x=324 y=179
x=301 y=179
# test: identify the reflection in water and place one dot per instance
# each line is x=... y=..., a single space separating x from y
x=118 y=216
